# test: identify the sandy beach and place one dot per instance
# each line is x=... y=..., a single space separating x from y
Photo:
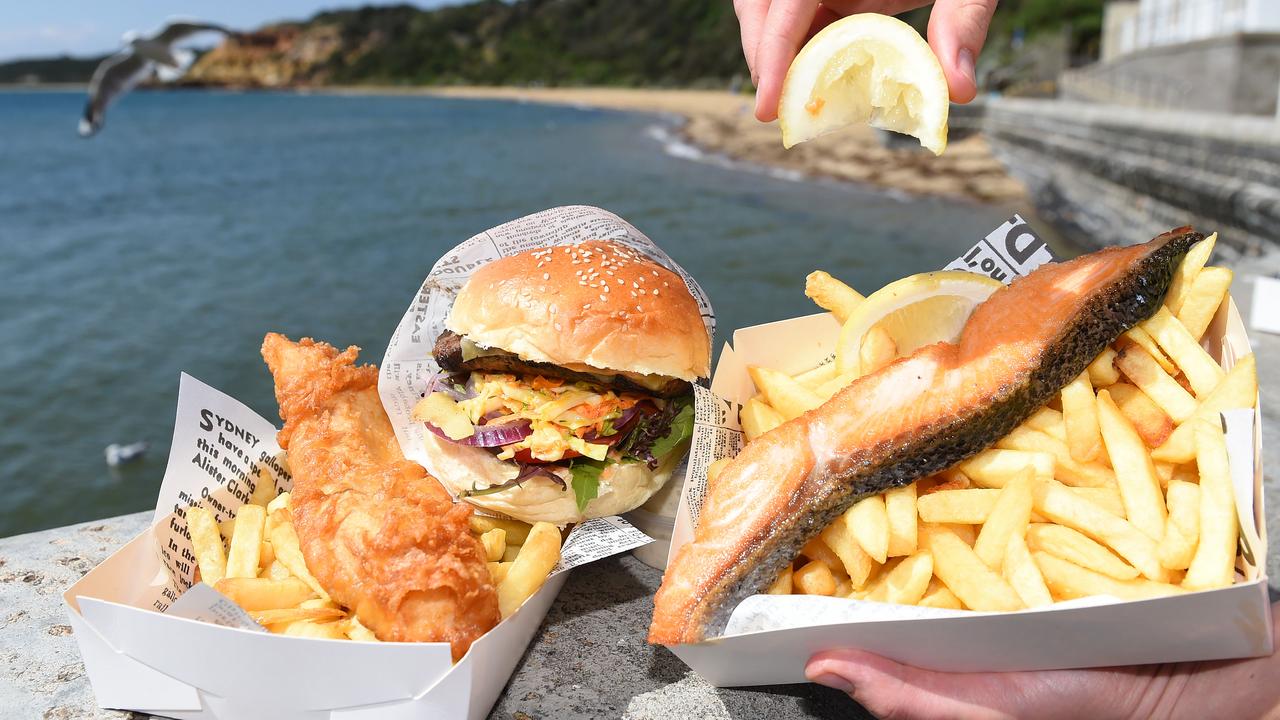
x=722 y=122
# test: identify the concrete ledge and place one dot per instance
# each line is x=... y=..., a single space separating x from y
x=589 y=660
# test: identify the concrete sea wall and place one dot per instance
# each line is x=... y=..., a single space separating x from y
x=1115 y=175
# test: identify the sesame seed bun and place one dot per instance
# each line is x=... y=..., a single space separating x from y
x=597 y=304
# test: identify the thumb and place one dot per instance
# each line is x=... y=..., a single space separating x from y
x=889 y=689
x=957 y=32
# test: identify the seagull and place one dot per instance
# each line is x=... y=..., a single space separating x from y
x=119 y=73
x=117 y=454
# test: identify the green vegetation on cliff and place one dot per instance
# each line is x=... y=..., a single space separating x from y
x=555 y=42
x=525 y=42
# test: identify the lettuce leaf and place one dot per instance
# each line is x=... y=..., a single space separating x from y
x=660 y=433
x=586 y=481
x=681 y=430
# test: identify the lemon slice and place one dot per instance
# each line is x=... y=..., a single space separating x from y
x=915 y=311
x=866 y=68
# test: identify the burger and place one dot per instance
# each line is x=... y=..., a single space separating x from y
x=564 y=390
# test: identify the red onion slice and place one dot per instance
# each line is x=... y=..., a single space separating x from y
x=491 y=435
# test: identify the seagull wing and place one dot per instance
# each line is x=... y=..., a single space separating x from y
x=114 y=77
x=178 y=31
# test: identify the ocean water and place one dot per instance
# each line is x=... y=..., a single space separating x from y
x=198 y=221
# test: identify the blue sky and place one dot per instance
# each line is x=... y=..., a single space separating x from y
x=38 y=28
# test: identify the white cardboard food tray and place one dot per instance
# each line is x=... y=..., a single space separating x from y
x=1227 y=623
x=143 y=660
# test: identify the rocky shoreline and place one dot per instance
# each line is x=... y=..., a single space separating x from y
x=722 y=123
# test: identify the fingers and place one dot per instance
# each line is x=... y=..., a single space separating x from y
x=957 y=32
x=890 y=689
x=751 y=15
x=785 y=26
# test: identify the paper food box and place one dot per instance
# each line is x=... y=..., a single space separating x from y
x=769 y=638
x=154 y=641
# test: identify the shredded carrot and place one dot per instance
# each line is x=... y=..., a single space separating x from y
x=546 y=383
x=590 y=411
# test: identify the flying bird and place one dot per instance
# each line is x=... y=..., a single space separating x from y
x=141 y=56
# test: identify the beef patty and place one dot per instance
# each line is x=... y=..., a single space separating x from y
x=448 y=353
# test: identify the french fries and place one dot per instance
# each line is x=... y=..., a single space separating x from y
x=1190 y=268
x=533 y=563
x=246 y=542
x=1022 y=573
x=814 y=578
x=1073 y=546
x=517 y=532
x=1056 y=502
x=495 y=544
x=1067 y=581
x=1214 y=562
x=1119 y=487
x=1148 y=419
x=211 y=557
x=869 y=522
x=957 y=565
x=1138 y=336
x=1207 y=293
x=1139 y=366
x=255 y=593
x=1102 y=371
x=265 y=573
x=1182 y=530
x=995 y=467
x=1080 y=415
x=781 y=586
x=907 y=582
x=1202 y=371
x=856 y=562
x=759 y=418
x=1008 y=517
x=967 y=507
x=878 y=349
x=788 y=397
x=831 y=294
x=900 y=507
x=1066 y=468
x=1239 y=389
x=1135 y=472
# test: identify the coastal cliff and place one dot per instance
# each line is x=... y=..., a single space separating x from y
x=288 y=55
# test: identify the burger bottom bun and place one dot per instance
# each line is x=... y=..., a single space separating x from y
x=623 y=486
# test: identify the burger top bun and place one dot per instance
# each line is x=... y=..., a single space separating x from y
x=623 y=487
x=598 y=303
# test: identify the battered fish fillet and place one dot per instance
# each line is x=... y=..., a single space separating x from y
x=378 y=533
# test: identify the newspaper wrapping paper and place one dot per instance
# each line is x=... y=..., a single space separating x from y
x=221 y=452
x=1011 y=250
x=408 y=363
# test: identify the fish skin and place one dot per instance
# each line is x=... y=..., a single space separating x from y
x=944 y=403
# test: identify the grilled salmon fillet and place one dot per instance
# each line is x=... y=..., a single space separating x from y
x=913 y=418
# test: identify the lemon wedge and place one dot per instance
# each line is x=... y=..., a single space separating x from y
x=915 y=311
x=866 y=68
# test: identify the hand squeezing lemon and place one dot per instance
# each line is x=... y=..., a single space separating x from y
x=866 y=68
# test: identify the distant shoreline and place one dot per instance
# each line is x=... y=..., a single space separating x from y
x=722 y=123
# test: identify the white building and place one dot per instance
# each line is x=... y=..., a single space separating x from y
x=1152 y=23
x=1211 y=55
